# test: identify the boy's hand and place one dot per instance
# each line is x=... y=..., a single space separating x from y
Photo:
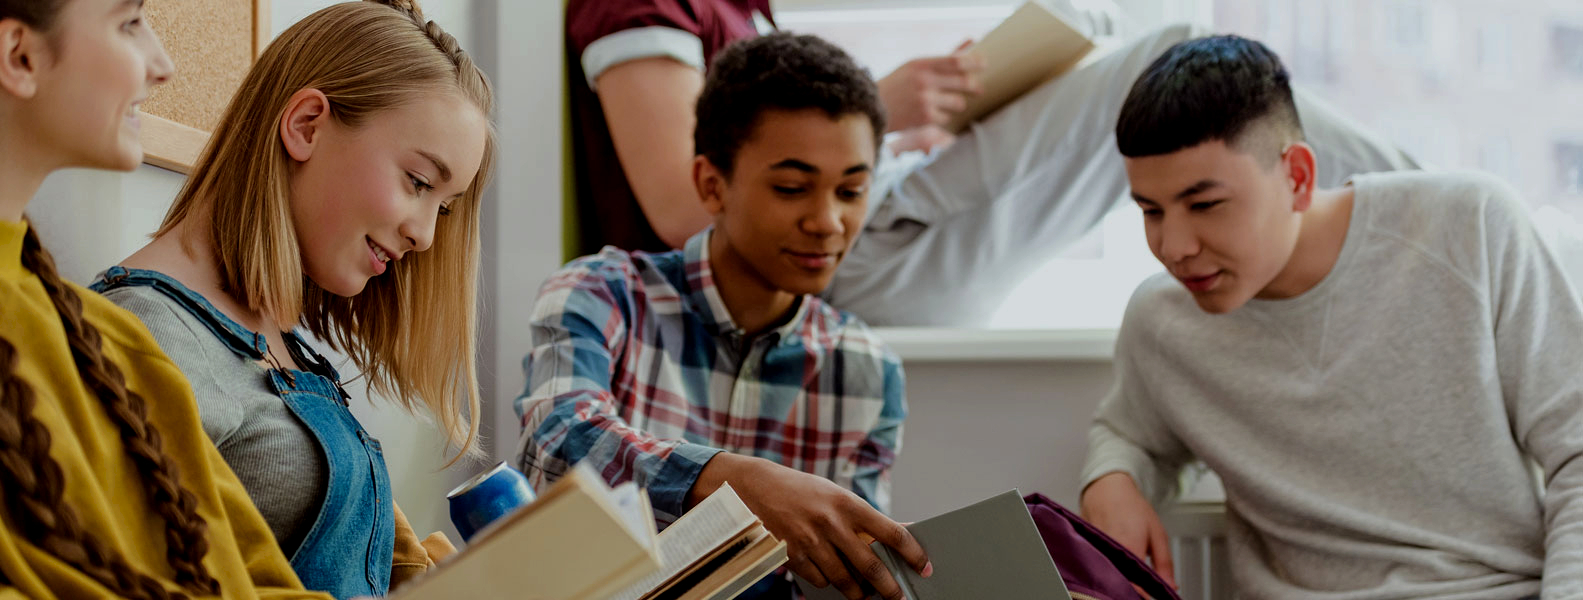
x=826 y=527
x=1114 y=504
x=929 y=91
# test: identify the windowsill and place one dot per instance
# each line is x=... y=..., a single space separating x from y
x=937 y=344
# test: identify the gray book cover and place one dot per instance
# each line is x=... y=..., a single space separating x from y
x=990 y=549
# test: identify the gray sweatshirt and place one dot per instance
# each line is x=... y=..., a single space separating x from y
x=1374 y=433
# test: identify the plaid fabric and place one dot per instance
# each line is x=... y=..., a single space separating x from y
x=638 y=369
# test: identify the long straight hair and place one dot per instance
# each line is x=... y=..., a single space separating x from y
x=412 y=333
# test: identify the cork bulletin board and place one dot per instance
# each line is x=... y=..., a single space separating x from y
x=212 y=43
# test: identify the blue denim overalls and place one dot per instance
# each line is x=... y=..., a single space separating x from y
x=348 y=551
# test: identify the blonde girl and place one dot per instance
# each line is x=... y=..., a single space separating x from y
x=338 y=198
x=108 y=486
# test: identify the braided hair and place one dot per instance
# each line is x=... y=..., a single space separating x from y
x=34 y=483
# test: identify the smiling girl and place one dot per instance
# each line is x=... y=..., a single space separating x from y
x=340 y=199
x=109 y=485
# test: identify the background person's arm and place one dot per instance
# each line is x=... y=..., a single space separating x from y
x=648 y=105
x=928 y=91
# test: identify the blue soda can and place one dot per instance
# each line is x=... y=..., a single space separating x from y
x=486 y=497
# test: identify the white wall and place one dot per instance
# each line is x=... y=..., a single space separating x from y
x=975 y=429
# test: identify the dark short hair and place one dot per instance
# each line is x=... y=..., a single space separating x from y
x=1214 y=88
x=779 y=71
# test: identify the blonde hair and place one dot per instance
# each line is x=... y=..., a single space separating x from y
x=413 y=331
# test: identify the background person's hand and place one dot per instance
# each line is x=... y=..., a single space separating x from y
x=1115 y=505
x=826 y=528
x=931 y=90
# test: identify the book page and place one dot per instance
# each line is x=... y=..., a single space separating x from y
x=717 y=520
x=632 y=504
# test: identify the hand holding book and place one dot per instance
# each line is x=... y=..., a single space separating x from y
x=930 y=91
x=823 y=524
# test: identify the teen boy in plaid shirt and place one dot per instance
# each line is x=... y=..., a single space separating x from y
x=717 y=363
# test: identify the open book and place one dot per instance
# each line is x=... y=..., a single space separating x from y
x=582 y=540
x=715 y=551
x=991 y=549
x=1030 y=47
x=579 y=540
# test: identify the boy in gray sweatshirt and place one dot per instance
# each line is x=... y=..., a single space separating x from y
x=1371 y=369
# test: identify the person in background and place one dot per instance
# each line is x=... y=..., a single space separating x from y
x=1371 y=368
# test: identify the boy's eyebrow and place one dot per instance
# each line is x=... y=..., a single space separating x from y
x=1202 y=186
x=796 y=165
x=445 y=171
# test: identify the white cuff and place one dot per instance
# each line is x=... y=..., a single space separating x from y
x=643 y=42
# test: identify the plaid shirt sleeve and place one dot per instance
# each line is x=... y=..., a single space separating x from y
x=878 y=450
x=568 y=411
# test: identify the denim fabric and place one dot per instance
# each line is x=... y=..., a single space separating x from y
x=348 y=551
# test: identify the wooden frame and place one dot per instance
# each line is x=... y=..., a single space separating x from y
x=171 y=145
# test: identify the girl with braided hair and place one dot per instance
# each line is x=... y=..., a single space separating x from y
x=108 y=485
x=338 y=198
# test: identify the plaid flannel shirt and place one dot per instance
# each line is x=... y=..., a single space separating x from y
x=638 y=369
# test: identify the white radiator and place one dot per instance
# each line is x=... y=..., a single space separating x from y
x=1198 y=545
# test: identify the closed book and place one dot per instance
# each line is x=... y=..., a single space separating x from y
x=990 y=549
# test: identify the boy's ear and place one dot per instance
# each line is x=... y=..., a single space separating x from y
x=711 y=185
x=307 y=112
x=20 y=57
x=1301 y=168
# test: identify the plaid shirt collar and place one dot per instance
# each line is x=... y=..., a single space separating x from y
x=703 y=298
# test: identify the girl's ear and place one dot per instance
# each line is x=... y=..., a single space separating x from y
x=20 y=54
x=307 y=112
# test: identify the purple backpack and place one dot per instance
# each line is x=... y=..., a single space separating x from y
x=1093 y=565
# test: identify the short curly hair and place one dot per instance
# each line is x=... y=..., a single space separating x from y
x=779 y=71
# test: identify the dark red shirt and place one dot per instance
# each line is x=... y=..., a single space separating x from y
x=607 y=211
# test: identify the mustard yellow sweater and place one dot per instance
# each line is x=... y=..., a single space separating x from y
x=102 y=484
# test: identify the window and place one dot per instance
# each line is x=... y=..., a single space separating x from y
x=1434 y=77
x=1569 y=165
x=1495 y=156
x=1495 y=50
x=1566 y=42
x=1405 y=26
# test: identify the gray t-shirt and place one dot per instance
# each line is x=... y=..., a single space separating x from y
x=273 y=452
x=1374 y=433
